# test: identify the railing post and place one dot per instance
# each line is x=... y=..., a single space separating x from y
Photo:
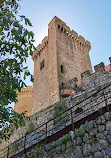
x=46 y=129
x=72 y=121
x=46 y=133
x=25 y=143
x=106 y=101
x=8 y=152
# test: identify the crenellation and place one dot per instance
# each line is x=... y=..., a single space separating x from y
x=85 y=74
x=74 y=34
x=40 y=48
x=71 y=34
x=100 y=76
x=99 y=67
x=81 y=39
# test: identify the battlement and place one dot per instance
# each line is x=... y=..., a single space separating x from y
x=101 y=75
x=40 y=47
x=28 y=89
x=71 y=34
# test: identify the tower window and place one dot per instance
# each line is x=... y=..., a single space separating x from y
x=41 y=64
x=61 y=28
x=58 y=26
x=62 y=69
x=62 y=84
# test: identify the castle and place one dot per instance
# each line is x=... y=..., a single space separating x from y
x=61 y=58
x=60 y=61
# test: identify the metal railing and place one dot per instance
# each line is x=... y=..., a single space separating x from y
x=68 y=117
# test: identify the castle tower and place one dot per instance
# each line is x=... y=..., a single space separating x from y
x=60 y=57
x=24 y=100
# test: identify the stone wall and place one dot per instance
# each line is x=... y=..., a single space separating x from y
x=41 y=75
x=99 y=77
x=91 y=140
x=87 y=101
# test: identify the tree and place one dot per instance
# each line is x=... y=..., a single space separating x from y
x=16 y=45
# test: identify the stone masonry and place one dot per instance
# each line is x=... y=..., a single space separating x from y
x=91 y=140
x=86 y=100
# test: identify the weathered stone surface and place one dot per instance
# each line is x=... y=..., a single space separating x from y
x=85 y=138
x=108 y=125
x=93 y=131
x=91 y=124
x=109 y=138
x=91 y=156
x=103 y=119
x=107 y=116
x=78 y=152
x=58 y=148
x=98 y=155
x=78 y=141
x=100 y=136
x=71 y=134
x=68 y=153
x=59 y=155
x=101 y=128
x=69 y=144
x=86 y=149
x=82 y=129
x=99 y=121
x=103 y=143
x=103 y=152
x=63 y=147
x=95 y=147
x=108 y=151
x=109 y=131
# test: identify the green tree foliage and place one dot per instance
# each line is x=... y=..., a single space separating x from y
x=16 y=45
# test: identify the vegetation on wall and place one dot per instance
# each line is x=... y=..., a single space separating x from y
x=30 y=128
x=58 y=109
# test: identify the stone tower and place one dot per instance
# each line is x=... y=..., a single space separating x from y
x=61 y=56
x=24 y=100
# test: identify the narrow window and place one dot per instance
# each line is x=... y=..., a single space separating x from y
x=58 y=26
x=41 y=64
x=61 y=28
x=62 y=69
x=62 y=85
x=39 y=53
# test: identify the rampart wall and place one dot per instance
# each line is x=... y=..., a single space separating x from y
x=86 y=101
x=91 y=140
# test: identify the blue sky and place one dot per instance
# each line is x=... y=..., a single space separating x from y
x=89 y=18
